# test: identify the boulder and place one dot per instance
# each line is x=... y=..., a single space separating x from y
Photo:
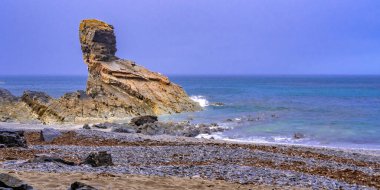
x=49 y=134
x=151 y=129
x=8 y=181
x=101 y=158
x=80 y=186
x=12 y=139
x=191 y=132
x=141 y=120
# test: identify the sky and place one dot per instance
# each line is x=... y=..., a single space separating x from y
x=197 y=37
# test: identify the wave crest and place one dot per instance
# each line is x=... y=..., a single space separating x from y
x=201 y=100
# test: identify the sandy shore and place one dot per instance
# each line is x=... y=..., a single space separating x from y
x=61 y=181
x=224 y=165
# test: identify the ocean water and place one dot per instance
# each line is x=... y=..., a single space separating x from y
x=333 y=111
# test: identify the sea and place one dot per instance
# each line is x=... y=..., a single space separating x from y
x=323 y=111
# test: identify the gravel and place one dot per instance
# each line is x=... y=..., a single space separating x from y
x=206 y=159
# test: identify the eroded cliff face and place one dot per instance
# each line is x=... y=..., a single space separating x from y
x=116 y=88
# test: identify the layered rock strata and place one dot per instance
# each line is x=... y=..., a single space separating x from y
x=124 y=80
x=116 y=88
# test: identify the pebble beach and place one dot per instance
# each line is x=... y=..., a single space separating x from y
x=247 y=165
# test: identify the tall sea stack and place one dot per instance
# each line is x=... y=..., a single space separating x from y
x=109 y=76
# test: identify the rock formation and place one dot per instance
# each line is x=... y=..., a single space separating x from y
x=123 y=80
x=116 y=88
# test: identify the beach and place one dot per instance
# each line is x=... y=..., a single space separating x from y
x=46 y=180
x=193 y=161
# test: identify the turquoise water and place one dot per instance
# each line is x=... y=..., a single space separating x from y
x=338 y=111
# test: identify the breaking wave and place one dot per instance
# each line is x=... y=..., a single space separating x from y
x=201 y=100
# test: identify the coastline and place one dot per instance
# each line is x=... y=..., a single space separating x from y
x=68 y=127
x=163 y=155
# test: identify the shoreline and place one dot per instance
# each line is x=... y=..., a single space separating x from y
x=341 y=148
x=67 y=127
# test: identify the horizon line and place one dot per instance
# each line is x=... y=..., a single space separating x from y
x=171 y=75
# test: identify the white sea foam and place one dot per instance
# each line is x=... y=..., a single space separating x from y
x=209 y=136
x=282 y=139
x=201 y=100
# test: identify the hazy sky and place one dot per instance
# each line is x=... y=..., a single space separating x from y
x=197 y=36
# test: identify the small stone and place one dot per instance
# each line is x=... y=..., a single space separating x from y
x=123 y=130
x=101 y=158
x=100 y=126
x=86 y=126
x=195 y=177
x=80 y=186
x=49 y=134
x=298 y=136
x=46 y=158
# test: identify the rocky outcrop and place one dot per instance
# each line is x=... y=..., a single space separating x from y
x=6 y=96
x=12 y=109
x=40 y=104
x=148 y=125
x=145 y=91
x=116 y=88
